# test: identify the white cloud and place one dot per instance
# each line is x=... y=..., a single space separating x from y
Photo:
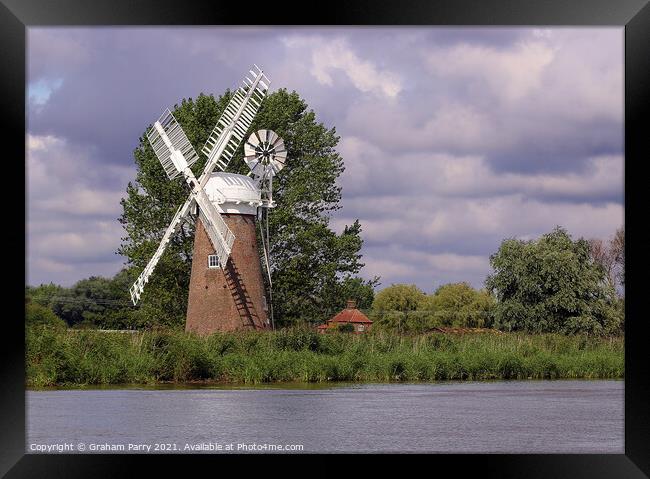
x=442 y=240
x=72 y=208
x=370 y=172
x=470 y=176
x=90 y=240
x=386 y=266
x=401 y=265
x=51 y=266
x=329 y=55
x=64 y=250
x=585 y=79
x=510 y=73
x=84 y=202
x=64 y=178
x=450 y=126
x=436 y=222
x=452 y=262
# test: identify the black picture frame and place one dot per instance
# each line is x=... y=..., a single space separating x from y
x=634 y=15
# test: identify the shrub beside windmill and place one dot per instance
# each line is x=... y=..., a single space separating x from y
x=227 y=289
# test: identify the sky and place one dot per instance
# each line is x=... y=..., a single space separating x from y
x=453 y=139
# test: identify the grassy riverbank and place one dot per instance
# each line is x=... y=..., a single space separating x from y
x=64 y=357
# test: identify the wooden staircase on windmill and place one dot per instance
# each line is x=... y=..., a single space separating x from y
x=243 y=302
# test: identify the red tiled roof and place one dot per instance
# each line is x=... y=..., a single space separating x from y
x=351 y=315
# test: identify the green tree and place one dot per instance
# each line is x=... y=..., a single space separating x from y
x=552 y=285
x=395 y=307
x=61 y=301
x=37 y=315
x=312 y=267
x=101 y=302
x=44 y=293
x=90 y=299
x=95 y=302
x=459 y=305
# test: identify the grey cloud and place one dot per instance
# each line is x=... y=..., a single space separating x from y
x=130 y=77
x=72 y=210
x=484 y=133
x=439 y=225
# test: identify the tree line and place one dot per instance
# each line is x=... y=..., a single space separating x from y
x=550 y=285
x=553 y=284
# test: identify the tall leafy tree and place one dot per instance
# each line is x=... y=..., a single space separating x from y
x=395 y=307
x=313 y=268
x=552 y=284
x=459 y=305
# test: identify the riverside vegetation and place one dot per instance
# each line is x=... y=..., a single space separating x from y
x=60 y=356
x=552 y=301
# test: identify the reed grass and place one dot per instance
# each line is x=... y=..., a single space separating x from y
x=87 y=357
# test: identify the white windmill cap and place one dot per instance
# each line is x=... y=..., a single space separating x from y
x=233 y=193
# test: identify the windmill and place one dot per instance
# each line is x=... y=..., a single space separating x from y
x=226 y=283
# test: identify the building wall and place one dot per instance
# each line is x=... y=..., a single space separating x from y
x=334 y=327
x=212 y=302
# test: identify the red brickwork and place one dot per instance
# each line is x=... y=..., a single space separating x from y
x=232 y=298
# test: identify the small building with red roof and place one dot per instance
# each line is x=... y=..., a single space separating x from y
x=350 y=315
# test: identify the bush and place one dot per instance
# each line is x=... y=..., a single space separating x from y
x=392 y=306
x=345 y=328
x=398 y=297
x=37 y=315
x=459 y=305
x=413 y=312
x=552 y=285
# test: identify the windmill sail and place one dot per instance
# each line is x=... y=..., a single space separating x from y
x=229 y=131
x=138 y=287
x=171 y=151
x=176 y=138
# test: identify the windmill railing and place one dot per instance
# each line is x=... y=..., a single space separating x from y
x=222 y=244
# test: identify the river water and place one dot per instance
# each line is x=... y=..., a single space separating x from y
x=461 y=417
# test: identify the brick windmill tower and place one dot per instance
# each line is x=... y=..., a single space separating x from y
x=226 y=284
x=230 y=296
